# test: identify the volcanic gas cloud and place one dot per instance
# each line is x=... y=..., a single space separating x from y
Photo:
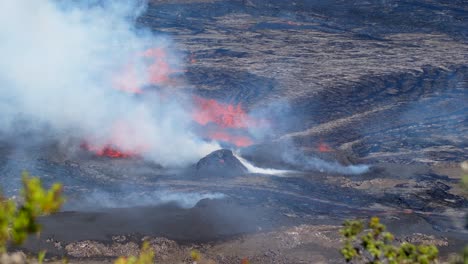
x=87 y=72
x=87 y=75
x=219 y=121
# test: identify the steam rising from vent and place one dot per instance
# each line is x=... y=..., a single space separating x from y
x=87 y=75
x=66 y=67
x=305 y=163
x=298 y=159
x=326 y=166
x=101 y=199
x=254 y=169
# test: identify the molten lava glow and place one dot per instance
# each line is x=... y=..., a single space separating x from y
x=107 y=151
x=157 y=71
x=160 y=70
x=219 y=119
x=322 y=147
x=122 y=143
x=224 y=115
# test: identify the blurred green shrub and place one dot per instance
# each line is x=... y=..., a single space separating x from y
x=18 y=221
x=375 y=245
x=463 y=257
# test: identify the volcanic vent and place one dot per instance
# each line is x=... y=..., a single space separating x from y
x=220 y=163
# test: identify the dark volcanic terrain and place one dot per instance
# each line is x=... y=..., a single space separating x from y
x=384 y=80
x=383 y=83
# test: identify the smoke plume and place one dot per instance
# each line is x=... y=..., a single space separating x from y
x=66 y=69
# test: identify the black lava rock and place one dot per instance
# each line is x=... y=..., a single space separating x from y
x=220 y=163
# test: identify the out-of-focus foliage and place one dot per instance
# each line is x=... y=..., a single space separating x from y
x=464 y=183
x=460 y=258
x=146 y=256
x=195 y=255
x=375 y=245
x=17 y=221
x=41 y=256
x=463 y=257
x=7 y=213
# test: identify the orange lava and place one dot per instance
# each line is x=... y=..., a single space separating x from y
x=322 y=147
x=107 y=151
x=245 y=261
x=224 y=115
x=226 y=118
x=118 y=145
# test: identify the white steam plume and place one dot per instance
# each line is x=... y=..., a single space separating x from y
x=254 y=169
x=335 y=167
x=296 y=158
x=58 y=65
x=290 y=154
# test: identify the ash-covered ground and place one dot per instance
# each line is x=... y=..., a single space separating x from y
x=348 y=84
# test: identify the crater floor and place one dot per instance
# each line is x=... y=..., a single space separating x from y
x=382 y=83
